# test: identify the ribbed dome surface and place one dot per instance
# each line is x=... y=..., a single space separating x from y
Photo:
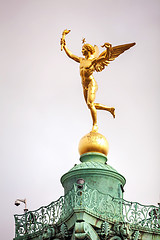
x=91 y=165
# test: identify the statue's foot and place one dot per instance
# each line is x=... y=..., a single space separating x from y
x=112 y=111
x=95 y=128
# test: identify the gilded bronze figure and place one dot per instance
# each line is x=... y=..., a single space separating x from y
x=91 y=62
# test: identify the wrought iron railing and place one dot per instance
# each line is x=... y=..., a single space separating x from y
x=100 y=205
x=35 y=221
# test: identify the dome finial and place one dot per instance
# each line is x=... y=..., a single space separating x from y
x=93 y=142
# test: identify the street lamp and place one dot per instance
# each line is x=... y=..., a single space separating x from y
x=18 y=202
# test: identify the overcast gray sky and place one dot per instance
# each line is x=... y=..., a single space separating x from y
x=43 y=113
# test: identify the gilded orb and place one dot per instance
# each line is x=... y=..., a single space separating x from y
x=93 y=142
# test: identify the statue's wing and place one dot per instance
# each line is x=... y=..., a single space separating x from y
x=117 y=50
x=104 y=60
x=96 y=53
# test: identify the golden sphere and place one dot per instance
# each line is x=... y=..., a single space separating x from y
x=93 y=142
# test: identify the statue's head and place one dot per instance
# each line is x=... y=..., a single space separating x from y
x=87 y=48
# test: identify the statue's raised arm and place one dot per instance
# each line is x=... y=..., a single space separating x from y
x=63 y=46
x=90 y=62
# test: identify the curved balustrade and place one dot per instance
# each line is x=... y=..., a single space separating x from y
x=100 y=205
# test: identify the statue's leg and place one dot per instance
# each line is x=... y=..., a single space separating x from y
x=90 y=103
x=85 y=93
x=103 y=107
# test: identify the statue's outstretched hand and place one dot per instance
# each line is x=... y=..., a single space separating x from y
x=107 y=45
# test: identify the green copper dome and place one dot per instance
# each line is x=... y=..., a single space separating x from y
x=94 y=171
x=92 y=165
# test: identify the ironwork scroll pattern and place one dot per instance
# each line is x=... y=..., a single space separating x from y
x=98 y=204
x=34 y=221
x=138 y=215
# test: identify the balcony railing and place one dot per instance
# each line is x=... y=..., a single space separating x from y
x=103 y=206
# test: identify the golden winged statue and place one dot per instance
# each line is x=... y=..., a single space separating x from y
x=91 y=62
